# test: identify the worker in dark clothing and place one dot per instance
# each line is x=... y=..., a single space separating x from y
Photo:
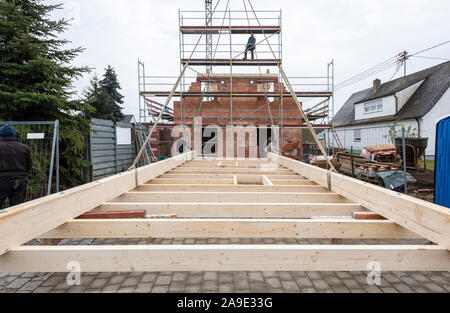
x=15 y=163
x=251 y=46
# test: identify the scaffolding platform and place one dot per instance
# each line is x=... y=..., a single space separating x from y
x=309 y=94
x=257 y=30
x=234 y=62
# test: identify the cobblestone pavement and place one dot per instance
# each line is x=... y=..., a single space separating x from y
x=230 y=282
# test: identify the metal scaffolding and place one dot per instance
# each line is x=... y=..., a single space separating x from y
x=226 y=32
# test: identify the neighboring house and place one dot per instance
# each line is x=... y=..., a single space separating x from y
x=129 y=119
x=419 y=100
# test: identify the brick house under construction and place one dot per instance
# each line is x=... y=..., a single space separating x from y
x=256 y=101
x=232 y=98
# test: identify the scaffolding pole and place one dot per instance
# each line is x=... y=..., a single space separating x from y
x=308 y=123
x=159 y=117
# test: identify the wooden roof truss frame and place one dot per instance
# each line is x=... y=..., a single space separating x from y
x=261 y=198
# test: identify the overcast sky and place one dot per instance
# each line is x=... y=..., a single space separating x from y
x=356 y=34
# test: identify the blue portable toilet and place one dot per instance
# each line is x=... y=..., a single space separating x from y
x=442 y=166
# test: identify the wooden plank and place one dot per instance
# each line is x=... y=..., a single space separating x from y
x=225 y=258
x=176 y=181
x=293 y=182
x=225 y=176
x=424 y=218
x=313 y=173
x=261 y=171
x=367 y=216
x=236 y=187
x=92 y=215
x=239 y=210
x=146 y=173
x=30 y=220
x=229 y=228
x=230 y=197
x=225 y=167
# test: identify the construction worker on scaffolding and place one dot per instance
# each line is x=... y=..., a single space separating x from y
x=251 y=46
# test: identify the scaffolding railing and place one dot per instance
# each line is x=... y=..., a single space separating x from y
x=227 y=32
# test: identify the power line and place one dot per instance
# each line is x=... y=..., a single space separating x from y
x=432 y=58
x=428 y=49
x=388 y=61
x=366 y=75
x=396 y=71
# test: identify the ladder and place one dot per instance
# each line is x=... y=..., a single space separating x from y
x=336 y=139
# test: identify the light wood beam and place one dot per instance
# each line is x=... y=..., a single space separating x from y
x=230 y=197
x=176 y=181
x=29 y=220
x=424 y=218
x=236 y=187
x=224 y=176
x=229 y=228
x=261 y=171
x=239 y=210
x=225 y=258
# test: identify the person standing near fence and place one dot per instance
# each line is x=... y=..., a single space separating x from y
x=15 y=163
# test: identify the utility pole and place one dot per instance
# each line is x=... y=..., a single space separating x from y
x=403 y=57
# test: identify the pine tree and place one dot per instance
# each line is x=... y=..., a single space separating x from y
x=103 y=95
x=111 y=86
x=36 y=76
x=96 y=97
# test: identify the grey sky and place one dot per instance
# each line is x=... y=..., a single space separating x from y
x=357 y=34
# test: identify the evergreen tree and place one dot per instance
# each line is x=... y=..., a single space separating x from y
x=103 y=95
x=36 y=77
x=110 y=86
x=96 y=97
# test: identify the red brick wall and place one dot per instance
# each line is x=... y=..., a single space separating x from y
x=218 y=111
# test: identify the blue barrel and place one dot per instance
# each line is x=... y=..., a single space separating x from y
x=442 y=166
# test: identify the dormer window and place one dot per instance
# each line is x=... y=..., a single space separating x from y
x=373 y=106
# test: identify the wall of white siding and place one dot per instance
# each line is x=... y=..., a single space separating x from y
x=429 y=122
x=371 y=135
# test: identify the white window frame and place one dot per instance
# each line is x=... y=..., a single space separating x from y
x=373 y=106
x=355 y=137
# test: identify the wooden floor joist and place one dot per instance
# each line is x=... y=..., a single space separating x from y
x=228 y=188
x=231 y=228
x=225 y=258
x=230 y=197
x=239 y=210
x=424 y=218
x=184 y=197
